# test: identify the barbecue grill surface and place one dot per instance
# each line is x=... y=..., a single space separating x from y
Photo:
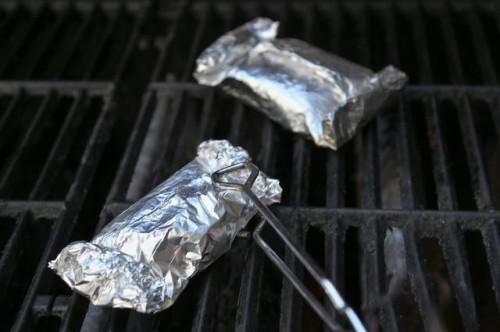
x=97 y=106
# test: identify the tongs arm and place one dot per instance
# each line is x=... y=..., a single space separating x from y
x=320 y=277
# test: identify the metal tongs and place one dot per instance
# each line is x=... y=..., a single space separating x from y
x=329 y=289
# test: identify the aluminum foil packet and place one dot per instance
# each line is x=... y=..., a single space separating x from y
x=305 y=89
x=144 y=258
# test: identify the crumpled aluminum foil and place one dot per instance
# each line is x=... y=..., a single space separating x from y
x=300 y=86
x=145 y=257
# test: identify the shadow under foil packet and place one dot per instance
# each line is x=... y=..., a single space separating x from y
x=298 y=85
x=144 y=258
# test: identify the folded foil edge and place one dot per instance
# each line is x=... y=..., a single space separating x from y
x=214 y=63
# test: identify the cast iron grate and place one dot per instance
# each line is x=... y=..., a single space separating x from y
x=74 y=154
x=72 y=41
x=436 y=245
x=52 y=138
x=446 y=43
x=434 y=42
x=44 y=131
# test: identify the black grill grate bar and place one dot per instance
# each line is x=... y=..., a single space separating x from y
x=458 y=270
x=370 y=242
x=131 y=44
x=119 y=187
x=475 y=155
x=335 y=24
x=450 y=41
x=390 y=31
x=170 y=36
x=97 y=51
x=482 y=50
x=41 y=209
x=364 y=51
x=14 y=102
x=420 y=37
x=67 y=312
x=371 y=245
x=491 y=242
x=496 y=115
x=47 y=40
x=29 y=137
x=19 y=42
x=161 y=165
x=435 y=220
x=63 y=227
x=335 y=239
x=98 y=318
x=456 y=261
x=409 y=181
x=417 y=279
x=60 y=149
x=335 y=257
x=12 y=251
x=496 y=11
x=266 y=158
x=203 y=318
x=444 y=186
x=291 y=304
x=7 y=22
x=195 y=42
x=236 y=120
x=309 y=14
x=371 y=172
x=70 y=50
x=207 y=125
x=371 y=278
x=42 y=306
x=388 y=316
x=335 y=179
x=250 y=294
x=44 y=87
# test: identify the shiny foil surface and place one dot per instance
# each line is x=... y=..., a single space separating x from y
x=144 y=258
x=305 y=89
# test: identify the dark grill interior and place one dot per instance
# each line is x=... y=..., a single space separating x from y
x=97 y=105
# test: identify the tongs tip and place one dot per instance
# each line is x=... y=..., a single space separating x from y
x=254 y=173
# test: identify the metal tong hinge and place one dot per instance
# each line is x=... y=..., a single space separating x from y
x=319 y=276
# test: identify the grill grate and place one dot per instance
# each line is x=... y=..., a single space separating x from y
x=68 y=42
x=435 y=42
x=76 y=153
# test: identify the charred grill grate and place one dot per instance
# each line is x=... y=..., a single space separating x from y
x=75 y=154
x=51 y=142
x=82 y=41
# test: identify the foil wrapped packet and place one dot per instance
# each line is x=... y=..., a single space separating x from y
x=303 y=88
x=144 y=258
